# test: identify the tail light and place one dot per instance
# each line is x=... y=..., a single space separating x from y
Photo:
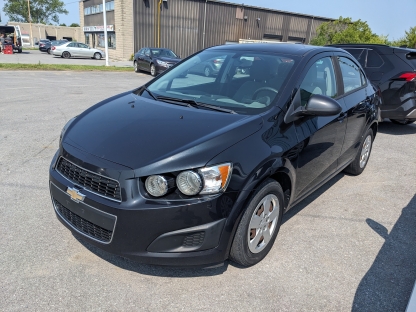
x=409 y=76
x=53 y=48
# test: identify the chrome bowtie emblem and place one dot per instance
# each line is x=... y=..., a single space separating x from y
x=76 y=196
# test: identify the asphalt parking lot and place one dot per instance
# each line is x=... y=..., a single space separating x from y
x=349 y=246
x=36 y=57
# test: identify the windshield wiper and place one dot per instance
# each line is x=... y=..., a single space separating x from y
x=193 y=103
x=150 y=93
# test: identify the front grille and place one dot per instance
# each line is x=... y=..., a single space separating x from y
x=194 y=240
x=89 y=180
x=82 y=225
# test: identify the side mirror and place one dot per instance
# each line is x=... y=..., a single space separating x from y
x=318 y=105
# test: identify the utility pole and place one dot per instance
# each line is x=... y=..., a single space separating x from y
x=30 y=23
x=105 y=33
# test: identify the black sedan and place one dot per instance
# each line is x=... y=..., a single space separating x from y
x=191 y=170
x=154 y=60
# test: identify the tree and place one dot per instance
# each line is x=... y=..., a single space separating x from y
x=41 y=11
x=63 y=24
x=408 y=40
x=344 y=30
x=74 y=25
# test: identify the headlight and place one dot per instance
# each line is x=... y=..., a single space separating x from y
x=65 y=128
x=215 y=178
x=161 y=63
x=158 y=185
x=189 y=182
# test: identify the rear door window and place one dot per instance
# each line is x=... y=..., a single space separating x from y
x=359 y=54
x=374 y=59
x=352 y=76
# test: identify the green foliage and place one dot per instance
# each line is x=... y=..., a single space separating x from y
x=63 y=24
x=344 y=30
x=131 y=57
x=41 y=11
x=408 y=40
x=74 y=25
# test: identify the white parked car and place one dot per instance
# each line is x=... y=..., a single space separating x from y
x=76 y=49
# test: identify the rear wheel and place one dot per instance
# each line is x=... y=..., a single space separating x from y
x=360 y=161
x=66 y=55
x=152 y=70
x=402 y=122
x=19 y=50
x=49 y=51
x=136 y=67
x=259 y=225
x=97 y=56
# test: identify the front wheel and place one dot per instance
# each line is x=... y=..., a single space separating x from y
x=360 y=161
x=66 y=55
x=152 y=70
x=136 y=67
x=259 y=225
x=49 y=51
x=97 y=56
x=402 y=122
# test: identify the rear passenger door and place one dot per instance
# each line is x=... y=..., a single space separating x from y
x=356 y=104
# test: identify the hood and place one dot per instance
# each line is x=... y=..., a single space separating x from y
x=155 y=137
x=169 y=59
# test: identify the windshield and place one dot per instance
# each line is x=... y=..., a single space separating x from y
x=245 y=82
x=163 y=53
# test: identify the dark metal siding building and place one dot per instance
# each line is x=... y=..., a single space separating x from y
x=187 y=26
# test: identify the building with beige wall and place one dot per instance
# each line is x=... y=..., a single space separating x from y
x=187 y=26
x=41 y=31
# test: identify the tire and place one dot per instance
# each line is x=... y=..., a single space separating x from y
x=361 y=159
x=19 y=50
x=136 y=67
x=152 y=70
x=66 y=55
x=250 y=245
x=207 y=71
x=97 y=56
x=48 y=51
x=402 y=122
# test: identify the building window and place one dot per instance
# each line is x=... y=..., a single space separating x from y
x=87 y=38
x=109 y=6
x=111 y=40
x=87 y=11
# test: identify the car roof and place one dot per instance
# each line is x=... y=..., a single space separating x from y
x=285 y=48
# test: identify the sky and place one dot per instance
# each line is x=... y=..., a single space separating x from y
x=385 y=17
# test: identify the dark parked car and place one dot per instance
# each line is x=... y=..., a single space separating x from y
x=47 y=46
x=393 y=71
x=154 y=60
x=187 y=170
x=42 y=41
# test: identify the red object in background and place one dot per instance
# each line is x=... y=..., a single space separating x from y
x=8 y=49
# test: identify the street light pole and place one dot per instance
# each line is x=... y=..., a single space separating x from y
x=105 y=33
x=30 y=23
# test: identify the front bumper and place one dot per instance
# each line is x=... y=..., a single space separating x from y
x=178 y=233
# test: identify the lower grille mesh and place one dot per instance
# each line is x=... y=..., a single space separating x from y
x=194 y=240
x=82 y=225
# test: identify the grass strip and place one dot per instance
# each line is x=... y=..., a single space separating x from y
x=63 y=67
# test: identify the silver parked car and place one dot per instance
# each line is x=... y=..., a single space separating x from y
x=76 y=49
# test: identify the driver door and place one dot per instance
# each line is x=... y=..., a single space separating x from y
x=320 y=137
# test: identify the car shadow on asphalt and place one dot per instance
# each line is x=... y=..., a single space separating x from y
x=154 y=270
x=391 y=277
x=388 y=127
